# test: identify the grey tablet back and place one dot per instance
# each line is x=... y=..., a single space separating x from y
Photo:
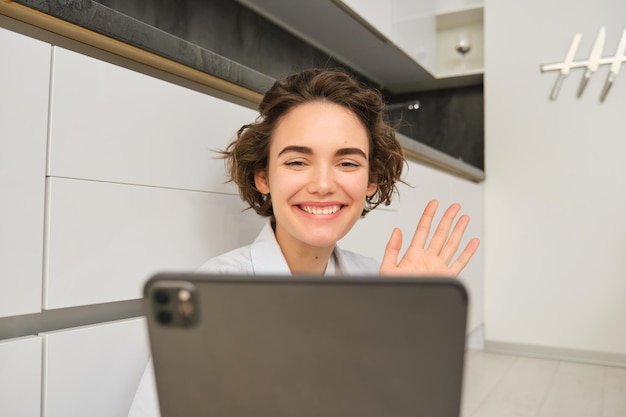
x=250 y=346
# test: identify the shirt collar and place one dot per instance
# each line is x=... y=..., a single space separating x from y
x=268 y=259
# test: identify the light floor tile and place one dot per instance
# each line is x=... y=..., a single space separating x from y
x=576 y=391
x=498 y=385
x=521 y=391
x=614 y=393
x=483 y=371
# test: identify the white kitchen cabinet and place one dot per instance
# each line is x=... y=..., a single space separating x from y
x=429 y=183
x=415 y=32
x=444 y=6
x=455 y=28
x=104 y=239
x=112 y=124
x=470 y=195
x=370 y=234
x=94 y=370
x=20 y=377
x=24 y=81
x=429 y=31
x=410 y=25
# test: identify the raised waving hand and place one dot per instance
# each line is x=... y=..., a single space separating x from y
x=436 y=259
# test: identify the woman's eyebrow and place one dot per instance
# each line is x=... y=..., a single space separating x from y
x=350 y=151
x=309 y=151
x=298 y=149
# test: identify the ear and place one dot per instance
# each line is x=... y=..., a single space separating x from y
x=260 y=181
x=371 y=188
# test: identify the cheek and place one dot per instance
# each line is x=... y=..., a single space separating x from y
x=286 y=182
x=359 y=185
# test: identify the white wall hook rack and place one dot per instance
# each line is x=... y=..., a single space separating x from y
x=557 y=66
x=591 y=64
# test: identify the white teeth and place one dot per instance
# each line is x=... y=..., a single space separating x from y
x=320 y=210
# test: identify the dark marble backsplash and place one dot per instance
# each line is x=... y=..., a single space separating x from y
x=451 y=121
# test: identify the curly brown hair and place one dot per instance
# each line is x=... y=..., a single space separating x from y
x=249 y=151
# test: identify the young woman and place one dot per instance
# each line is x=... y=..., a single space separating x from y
x=319 y=157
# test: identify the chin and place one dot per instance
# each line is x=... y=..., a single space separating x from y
x=323 y=241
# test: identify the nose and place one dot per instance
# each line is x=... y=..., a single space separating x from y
x=322 y=181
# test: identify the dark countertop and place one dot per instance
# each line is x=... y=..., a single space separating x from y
x=106 y=21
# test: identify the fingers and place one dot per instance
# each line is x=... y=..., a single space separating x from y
x=441 y=239
x=423 y=226
x=465 y=256
x=392 y=250
x=443 y=243
x=441 y=235
x=452 y=244
x=439 y=257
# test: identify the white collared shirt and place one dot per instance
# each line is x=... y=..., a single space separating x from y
x=264 y=257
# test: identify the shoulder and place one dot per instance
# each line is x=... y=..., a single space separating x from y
x=352 y=263
x=237 y=261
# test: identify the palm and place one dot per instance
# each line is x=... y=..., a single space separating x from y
x=438 y=258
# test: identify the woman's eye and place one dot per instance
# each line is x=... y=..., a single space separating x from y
x=294 y=163
x=349 y=164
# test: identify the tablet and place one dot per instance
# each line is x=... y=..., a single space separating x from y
x=296 y=346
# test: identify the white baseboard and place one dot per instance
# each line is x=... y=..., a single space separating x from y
x=475 y=338
x=554 y=353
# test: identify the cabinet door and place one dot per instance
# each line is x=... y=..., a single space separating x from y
x=20 y=377
x=429 y=183
x=24 y=81
x=408 y=24
x=94 y=370
x=112 y=124
x=370 y=234
x=104 y=240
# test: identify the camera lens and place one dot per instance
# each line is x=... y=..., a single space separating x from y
x=164 y=317
x=162 y=297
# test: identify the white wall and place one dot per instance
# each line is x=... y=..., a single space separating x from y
x=554 y=194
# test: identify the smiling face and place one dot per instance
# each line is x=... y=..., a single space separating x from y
x=317 y=175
